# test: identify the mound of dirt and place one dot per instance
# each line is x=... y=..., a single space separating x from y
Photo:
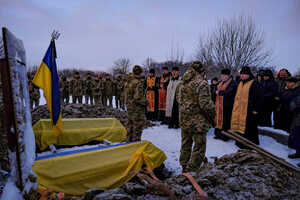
x=242 y=175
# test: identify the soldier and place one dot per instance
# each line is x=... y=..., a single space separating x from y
x=61 y=88
x=102 y=79
x=119 y=87
x=76 y=87
x=66 y=90
x=88 y=89
x=34 y=93
x=196 y=115
x=122 y=91
x=97 y=90
x=108 y=90
x=136 y=103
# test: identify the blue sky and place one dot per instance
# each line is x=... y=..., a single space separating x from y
x=95 y=33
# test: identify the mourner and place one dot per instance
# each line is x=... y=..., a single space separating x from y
x=246 y=107
x=172 y=112
x=225 y=92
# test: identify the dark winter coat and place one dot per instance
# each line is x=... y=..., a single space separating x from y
x=228 y=100
x=270 y=91
x=213 y=89
x=294 y=137
x=286 y=98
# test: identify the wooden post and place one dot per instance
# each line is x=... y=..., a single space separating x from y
x=9 y=108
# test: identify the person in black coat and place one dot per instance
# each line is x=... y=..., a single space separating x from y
x=286 y=97
x=282 y=75
x=270 y=88
x=226 y=90
x=292 y=98
x=246 y=123
x=213 y=88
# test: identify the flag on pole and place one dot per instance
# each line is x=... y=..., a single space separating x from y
x=46 y=78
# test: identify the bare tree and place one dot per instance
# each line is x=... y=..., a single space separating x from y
x=233 y=44
x=121 y=66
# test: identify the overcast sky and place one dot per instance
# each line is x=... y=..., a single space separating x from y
x=95 y=33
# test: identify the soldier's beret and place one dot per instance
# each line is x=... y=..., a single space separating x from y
x=137 y=70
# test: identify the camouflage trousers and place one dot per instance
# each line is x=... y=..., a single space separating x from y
x=135 y=126
x=191 y=159
x=119 y=101
x=89 y=97
x=76 y=98
x=98 y=99
x=35 y=102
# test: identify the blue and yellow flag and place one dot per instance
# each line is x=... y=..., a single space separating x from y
x=46 y=78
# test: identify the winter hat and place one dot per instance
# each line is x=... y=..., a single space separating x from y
x=261 y=72
x=175 y=68
x=269 y=73
x=165 y=68
x=246 y=70
x=137 y=70
x=197 y=66
x=225 y=71
x=152 y=71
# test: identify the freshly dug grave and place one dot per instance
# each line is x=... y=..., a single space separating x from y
x=242 y=175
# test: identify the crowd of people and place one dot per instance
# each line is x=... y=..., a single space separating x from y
x=239 y=104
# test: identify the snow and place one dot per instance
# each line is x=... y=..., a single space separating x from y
x=10 y=191
x=169 y=140
x=273 y=130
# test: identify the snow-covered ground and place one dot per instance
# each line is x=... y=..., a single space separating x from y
x=169 y=140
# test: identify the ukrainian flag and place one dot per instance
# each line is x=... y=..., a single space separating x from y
x=46 y=78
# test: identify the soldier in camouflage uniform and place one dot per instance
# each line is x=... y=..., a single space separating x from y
x=97 y=90
x=136 y=103
x=196 y=116
x=34 y=92
x=88 y=89
x=76 y=88
x=66 y=90
x=108 y=90
x=119 y=87
x=102 y=79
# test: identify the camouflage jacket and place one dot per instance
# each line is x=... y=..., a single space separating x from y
x=97 y=87
x=76 y=87
x=196 y=108
x=34 y=91
x=135 y=95
x=108 y=87
x=88 y=85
